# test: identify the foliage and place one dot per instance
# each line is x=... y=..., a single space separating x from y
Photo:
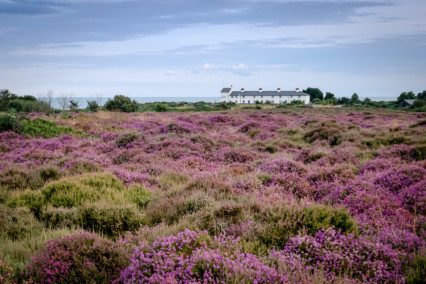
x=306 y=194
x=76 y=259
x=315 y=93
x=92 y=106
x=121 y=103
x=160 y=108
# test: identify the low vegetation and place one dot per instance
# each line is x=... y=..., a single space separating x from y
x=278 y=195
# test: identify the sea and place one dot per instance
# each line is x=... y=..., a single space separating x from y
x=82 y=101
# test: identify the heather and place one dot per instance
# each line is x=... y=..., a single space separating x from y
x=242 y=196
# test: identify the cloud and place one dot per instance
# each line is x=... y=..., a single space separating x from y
x=207 y=66
x=169 y=72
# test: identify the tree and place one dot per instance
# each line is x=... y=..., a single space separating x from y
x=92 y=106
x=422 y=95
x=343 y=101
x=73 y=105
x=5 y=98
x=354 y=99
x=405 y=96
x=329 y=96
x=63 y=101
x=315 y=93
x=121 y=103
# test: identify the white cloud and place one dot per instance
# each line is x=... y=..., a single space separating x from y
x=169 y=72
x=207 y=66
x=239 y=67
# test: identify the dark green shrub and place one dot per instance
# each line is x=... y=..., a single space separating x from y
x=42 y=128
x=5 y=98
x=420 y=153
x=92 y=106
x=121 y=103
x=47 y=173
x=125 y=138
x=330 y=134
x=160 y=108
x=319 y=216
x=15 y=105
x=7 y=123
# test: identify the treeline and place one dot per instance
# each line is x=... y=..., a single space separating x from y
x=27 y=103
x=318 y=97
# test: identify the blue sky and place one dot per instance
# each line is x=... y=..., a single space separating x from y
x=167 y=48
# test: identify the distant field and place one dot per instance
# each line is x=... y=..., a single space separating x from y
x=308 y=195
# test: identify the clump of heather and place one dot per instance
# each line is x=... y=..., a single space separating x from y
x=6 y=273
x=194 y=257
x=338 y=254
x=76 y=259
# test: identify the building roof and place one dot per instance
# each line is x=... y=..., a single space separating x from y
x=410 y=102
x=267 y=93
x=226 y=90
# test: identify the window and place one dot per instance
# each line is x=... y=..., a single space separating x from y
x=280 y=98
x=298 y=96
x=236 y=101
x=261 y=97
x=244 y=101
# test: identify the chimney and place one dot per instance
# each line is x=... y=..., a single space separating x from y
x=260 y=90
x=242 y=90
x=297 y=89
x=278 y=90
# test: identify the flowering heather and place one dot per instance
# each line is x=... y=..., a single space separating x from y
x=243 y=196
x=77 y=258
x=194 y=257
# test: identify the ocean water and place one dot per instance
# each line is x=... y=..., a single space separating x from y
x=82 y=101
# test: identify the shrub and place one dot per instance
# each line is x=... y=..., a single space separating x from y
x=111 y=220
x=92 y=106
x=279 y=223
x=160 y=108
x=6 y=273
x=15 y=105
x=121 y=103
x=42 y=128
x=7 y=123
x=17 y=223
x=338 y=253
x=193 y=257
x=78 y=258
x=331 y=135
x=125 y=138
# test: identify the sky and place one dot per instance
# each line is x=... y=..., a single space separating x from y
x=166 y=48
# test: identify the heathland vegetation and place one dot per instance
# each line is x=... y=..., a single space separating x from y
x=270 y=195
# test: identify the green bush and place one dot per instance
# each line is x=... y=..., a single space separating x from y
x=42 y=128
x=121 y=103
x=160 y=108
x=92 y=106
x=17 y=223
x=277 y=224
x=125 y=138
x=7 y=123
x=15 y=105
x=111 y=220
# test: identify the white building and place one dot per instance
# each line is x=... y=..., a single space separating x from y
x=250 y=97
